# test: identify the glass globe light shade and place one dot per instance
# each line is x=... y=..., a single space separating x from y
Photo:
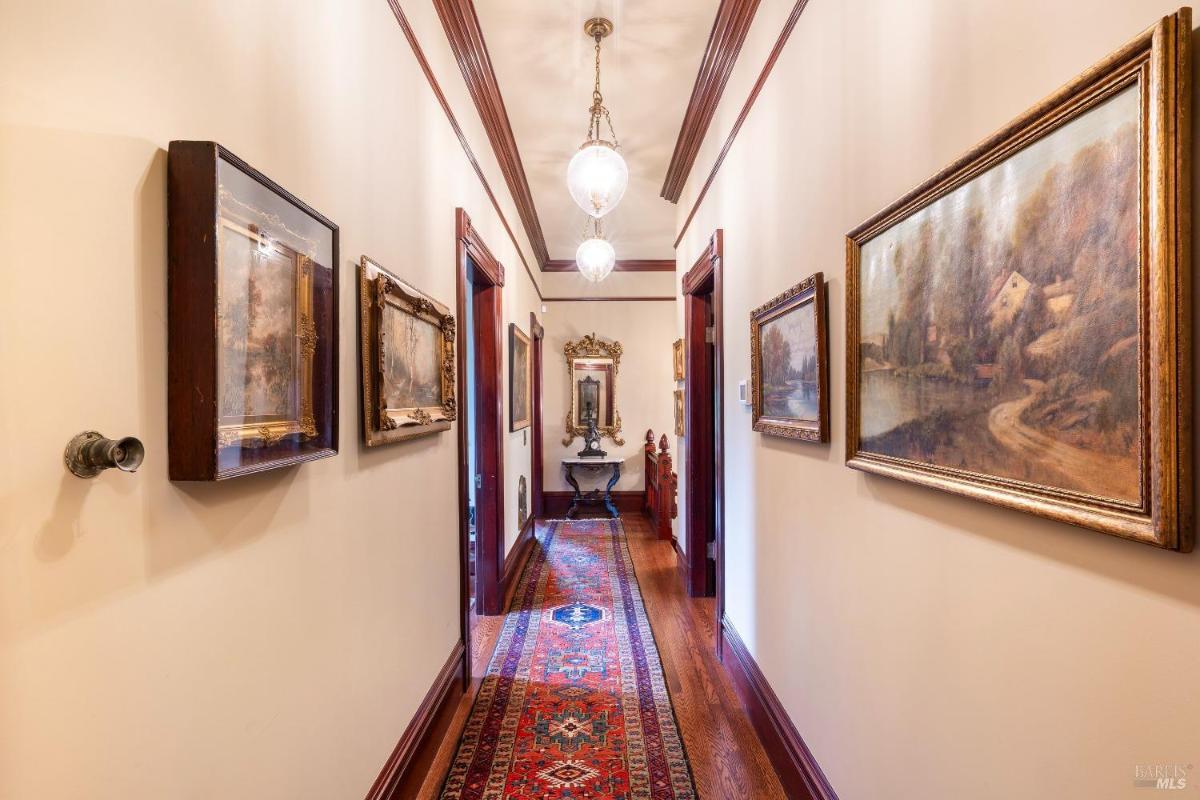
x=595 y=258
x=597 y=177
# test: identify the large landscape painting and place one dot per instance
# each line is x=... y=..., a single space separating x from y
x=999 y=325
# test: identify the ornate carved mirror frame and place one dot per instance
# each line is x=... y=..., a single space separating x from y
x=586 y=348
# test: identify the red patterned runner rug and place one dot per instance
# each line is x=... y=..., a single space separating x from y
x=574 y=704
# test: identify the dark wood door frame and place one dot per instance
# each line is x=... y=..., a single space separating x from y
x=537 y=489
x=478 y=270
x=704 y=437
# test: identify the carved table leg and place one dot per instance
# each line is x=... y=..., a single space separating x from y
x=608 y=499
x=574 y=509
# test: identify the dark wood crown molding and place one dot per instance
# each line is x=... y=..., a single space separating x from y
x=786 y=33
x=470 y=50
x=724 y=43
x=622 y=265
x=423 y=62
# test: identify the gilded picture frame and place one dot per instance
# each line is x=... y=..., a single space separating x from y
x=679 y=413
x=403 y=332
x=1151 y=77
x=592 y=352
x=520 y=379
x=789 y=377
x=677 y=359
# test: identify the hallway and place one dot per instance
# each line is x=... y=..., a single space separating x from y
x=726 y=757
x=871 y=321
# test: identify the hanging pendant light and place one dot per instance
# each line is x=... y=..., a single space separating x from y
x=597 y=175
x=596 y=256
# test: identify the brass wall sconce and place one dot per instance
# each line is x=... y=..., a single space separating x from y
x=89 y=454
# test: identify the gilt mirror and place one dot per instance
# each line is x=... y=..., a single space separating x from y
x=592 y=367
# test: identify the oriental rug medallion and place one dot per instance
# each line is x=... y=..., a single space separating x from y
x=574 y=704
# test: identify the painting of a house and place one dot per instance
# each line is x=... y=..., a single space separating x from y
x=999 y=324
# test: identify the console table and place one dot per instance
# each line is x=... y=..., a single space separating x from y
x=593 y=465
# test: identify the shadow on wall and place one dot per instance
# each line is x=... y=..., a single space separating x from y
x=141 y=528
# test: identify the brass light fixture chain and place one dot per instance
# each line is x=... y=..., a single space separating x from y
x=598 y=113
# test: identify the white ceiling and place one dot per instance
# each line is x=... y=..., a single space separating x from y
x=544 y=64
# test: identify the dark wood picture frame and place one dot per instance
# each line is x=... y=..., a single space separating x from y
x=200 y=448
x=1158 y=61
x=522 y=372
x=379 y=289
x=810 y=290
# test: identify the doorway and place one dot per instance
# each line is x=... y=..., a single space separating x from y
x=704 y=425
x=479 y=282
x=537 y=500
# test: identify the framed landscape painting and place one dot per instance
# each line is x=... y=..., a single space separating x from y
x=679 y=411
x=1018 y=327
x=406 y=344
x=788 y=370
x=252 y=320
x=677 y=360
x=520 y=379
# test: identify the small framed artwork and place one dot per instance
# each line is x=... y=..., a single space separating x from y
x=406 y=344
x=788 y=369
x=252 y=320
x=1018 y=327
x=677 y=357
x=520 y=379
x=679 y=430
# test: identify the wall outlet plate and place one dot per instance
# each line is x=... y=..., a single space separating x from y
x=743 y=393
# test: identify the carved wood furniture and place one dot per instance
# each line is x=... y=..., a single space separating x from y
x=595 y=496
x=661 y=486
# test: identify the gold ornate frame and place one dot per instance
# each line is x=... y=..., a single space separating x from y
x=264 y=432
x=378 y=289
x=680 y=429
x=809 y=290
x=591 y=347
x=1159 y=63
x=519 y=372
x=677 y=359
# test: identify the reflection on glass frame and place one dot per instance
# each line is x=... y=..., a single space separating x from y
x=520 y=379
x=788 y=369
x=407 y=369
x=677 y=359
x=1018 y=328
x=591 y=358
x=252 y=319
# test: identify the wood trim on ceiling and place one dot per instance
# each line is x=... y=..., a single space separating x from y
x=470 y=50
x=670 y=299
x=724 y=44
x=622 y=265
x=423 y=62
x=788 y=26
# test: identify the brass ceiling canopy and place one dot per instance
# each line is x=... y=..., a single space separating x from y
x=598 y=27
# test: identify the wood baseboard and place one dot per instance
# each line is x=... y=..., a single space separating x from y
x=681 y=562
x=516 y=558
x=557 y=503
x=799 y=772
x=405 y=770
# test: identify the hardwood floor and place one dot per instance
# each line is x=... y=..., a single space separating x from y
x=728 y=761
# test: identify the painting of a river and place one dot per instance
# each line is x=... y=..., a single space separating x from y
x=788 y=374
x=999 y=325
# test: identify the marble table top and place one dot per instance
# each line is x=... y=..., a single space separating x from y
x=605 y=461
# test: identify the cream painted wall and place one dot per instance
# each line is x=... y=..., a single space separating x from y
x=272 y=636
x=618 y=284
x=644 y=384
x=925 y=646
